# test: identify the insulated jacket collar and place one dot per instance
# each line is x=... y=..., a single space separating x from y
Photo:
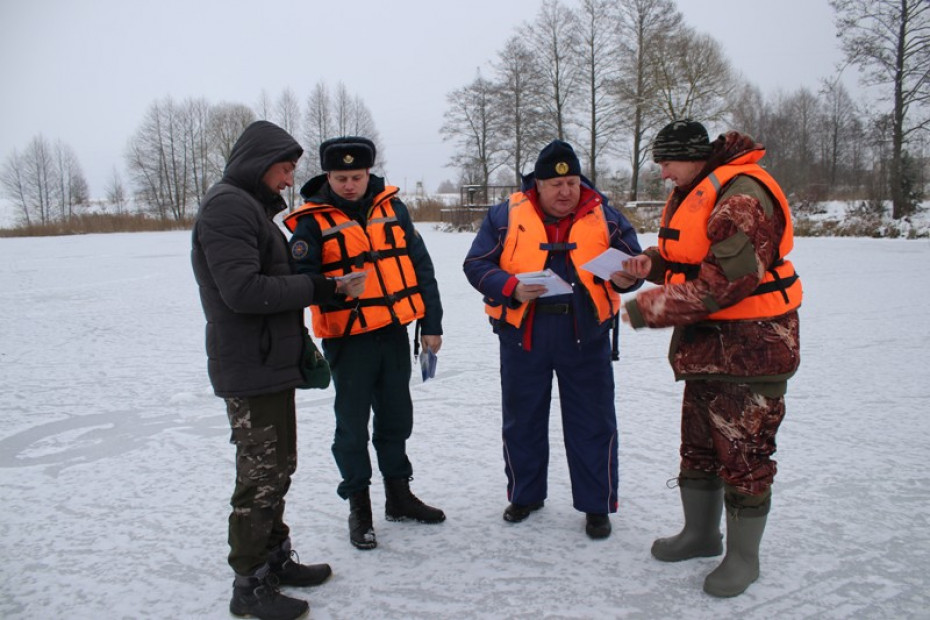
x=316 y=190
x=725 y=149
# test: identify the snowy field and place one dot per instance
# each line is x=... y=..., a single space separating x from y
x=115 y=466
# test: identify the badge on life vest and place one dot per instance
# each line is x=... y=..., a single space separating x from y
x=299 y=249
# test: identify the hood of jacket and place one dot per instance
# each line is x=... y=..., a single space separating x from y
x=260 y=146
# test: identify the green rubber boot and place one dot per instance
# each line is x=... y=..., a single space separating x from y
x=702 y=503
x=740 y=566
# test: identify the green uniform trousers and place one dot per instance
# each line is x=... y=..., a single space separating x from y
x=371 y=374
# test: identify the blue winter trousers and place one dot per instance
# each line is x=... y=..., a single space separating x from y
x=589 y=422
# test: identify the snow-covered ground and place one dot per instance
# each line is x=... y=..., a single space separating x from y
x=115 y=466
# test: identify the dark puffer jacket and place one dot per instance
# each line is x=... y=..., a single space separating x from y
x=252 y=298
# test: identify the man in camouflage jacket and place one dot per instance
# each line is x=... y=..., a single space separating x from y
x=732 y=299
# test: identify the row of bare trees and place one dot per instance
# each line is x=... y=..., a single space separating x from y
x=44 y=181
x=604 y=75
x=607 y=74
x=178 y=151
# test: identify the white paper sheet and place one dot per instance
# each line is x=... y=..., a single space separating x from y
x=606 y=263
x=554 y=284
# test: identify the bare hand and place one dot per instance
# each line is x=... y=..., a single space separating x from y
x=638 y=266
x=352 y=287
x=433 y=343
x=528 y=292
x=622 y=279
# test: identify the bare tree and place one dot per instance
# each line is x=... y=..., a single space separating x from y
x=15 y=188
x=70 y=186
x=263 y=106
x=287 y=116
x=158 y=158
x=520 y=131
x=195 y=115
x=45 y=182
x=841 y=129
x=693 y=77
x=332 y=115
x=794 y=162
x=318 y=123
x=474 y=121
x=644 y=28
x=889 y=40
x=554 y=40
x=116 y=192
x=598 y=68
x=748 y=110
x=341 y=104
x=227 y=122
x=28 y=180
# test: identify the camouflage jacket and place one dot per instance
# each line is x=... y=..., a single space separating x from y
x=762 y=352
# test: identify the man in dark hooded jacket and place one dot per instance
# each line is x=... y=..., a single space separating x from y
x=253 y=301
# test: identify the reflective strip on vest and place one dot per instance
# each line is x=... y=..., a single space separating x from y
x=391 y=294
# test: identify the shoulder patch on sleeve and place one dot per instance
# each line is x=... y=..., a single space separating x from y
x=299 y=249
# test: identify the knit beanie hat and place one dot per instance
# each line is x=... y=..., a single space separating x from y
x=683 y=140
x=557 y=159
x=347 y=153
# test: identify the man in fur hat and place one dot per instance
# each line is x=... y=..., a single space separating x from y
x=353 y=225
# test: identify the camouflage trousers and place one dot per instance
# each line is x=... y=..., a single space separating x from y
x=264 y=431
x=729 y=431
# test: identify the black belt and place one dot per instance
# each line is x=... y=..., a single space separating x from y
x=554 y=308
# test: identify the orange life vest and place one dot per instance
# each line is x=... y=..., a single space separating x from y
x=683 y=243
x=391 y=294
x=526 y=248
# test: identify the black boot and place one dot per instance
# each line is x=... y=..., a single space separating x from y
x=514 y=513
x=286 y=566
x=400 y=504
x=597 y=525
x=361 y=529
x=257 y=595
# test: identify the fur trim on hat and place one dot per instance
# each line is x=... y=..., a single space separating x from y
x=347 y=153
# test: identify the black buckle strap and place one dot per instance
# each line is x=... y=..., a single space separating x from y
x=673 y=234
x=559 y=246
x=779 y=284
x=690 y=271
x=553 y=308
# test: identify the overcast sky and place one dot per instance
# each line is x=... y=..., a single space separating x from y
x=86 y=71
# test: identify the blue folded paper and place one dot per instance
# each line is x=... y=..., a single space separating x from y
x=428 y=361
